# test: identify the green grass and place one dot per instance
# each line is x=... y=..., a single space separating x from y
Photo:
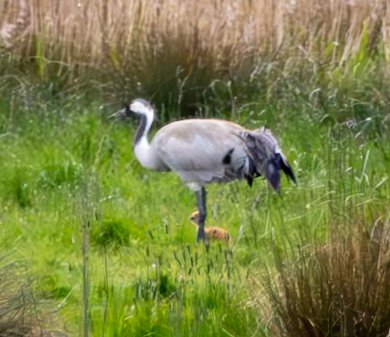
x=63 y=165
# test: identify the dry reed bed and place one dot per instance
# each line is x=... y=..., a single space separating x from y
x=341 y=289
x=227 y=36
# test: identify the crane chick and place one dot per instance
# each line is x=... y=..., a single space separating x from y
x=212 y=232
x=204 y=151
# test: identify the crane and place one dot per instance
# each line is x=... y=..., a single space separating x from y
x=203 y=151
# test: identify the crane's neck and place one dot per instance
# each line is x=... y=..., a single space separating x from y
x=141 y=146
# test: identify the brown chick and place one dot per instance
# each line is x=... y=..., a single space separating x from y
x=212 y=232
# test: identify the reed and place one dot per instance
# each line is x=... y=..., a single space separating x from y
x=337 y=289
x=173 y=50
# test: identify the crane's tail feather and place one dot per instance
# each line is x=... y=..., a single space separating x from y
x=273 y=174
x=274 y=166
x=265 y=154
x=287 y=169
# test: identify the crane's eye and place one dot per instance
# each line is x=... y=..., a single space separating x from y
x=128 y=112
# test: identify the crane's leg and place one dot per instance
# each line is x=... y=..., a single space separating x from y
x=201 y=204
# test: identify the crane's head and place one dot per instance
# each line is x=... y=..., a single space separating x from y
x=137 y=108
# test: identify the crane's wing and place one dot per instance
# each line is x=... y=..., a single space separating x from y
x=201 y=151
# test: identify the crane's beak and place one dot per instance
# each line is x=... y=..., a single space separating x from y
x=126 y=112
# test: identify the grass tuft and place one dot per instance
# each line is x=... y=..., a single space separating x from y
x=339 y=289
x=111 y=233
x=20 y=314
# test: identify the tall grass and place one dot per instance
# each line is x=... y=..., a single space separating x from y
x=174 y=51
x=335 y=287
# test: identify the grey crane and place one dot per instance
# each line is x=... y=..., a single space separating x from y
x=203 y=151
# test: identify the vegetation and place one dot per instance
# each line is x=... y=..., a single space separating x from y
x=106 y=248
x=206 y=56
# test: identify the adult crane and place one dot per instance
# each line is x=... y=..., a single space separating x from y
x=203 y=151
